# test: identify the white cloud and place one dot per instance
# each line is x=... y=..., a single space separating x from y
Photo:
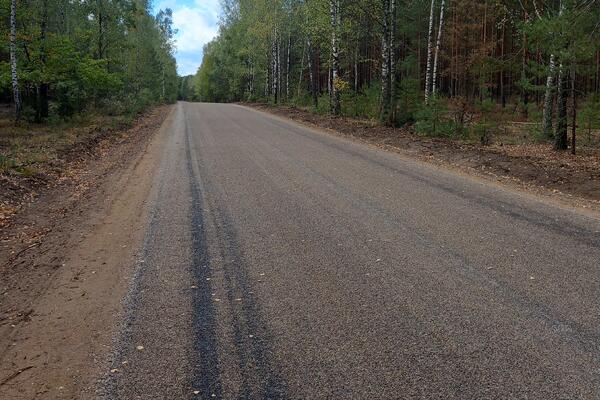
x=195 y=28
x=197 y=22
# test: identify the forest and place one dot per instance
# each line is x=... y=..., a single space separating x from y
x=63 y=58
x=453 y=68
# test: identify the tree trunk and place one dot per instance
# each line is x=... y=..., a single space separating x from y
x=13 y=59
x=549 y=95
x=560 y=136
x=274 y=68
x=437 y=49
x=429 y=53
x=356 y=69
x=278 y=66
x=392 y=71
x=387 y=63
x=335 y=56
x=163 y=91
x=100 y=50
x=267 y=85
x=41 y=109
x=302 y=70
x=312 y=55
x=574 y=121
x=524 y=90
x=251 y=83
x=287 y=72
x=549 y=100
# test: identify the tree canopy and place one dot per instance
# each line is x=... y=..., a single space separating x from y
x=381 y=58
x=72 y=56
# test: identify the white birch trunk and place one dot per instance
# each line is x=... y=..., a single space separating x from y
x=392 y=56
x=548 y=99
x=275 y=67
x=437 y=49
x=356 y=69
x=278 y=65
x=13 y=58
x=287 y=73
x=385 y=61
x=549 y=94
x=335 y=56
x=429 y=54
x=312 y=64
x=302 y=70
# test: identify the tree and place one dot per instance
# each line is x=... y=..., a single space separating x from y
x=68 y=57
x=437 y=48
x=335 y=56
x=388 y=52
x=13 y=58
x=429 y=53
x=466 y=54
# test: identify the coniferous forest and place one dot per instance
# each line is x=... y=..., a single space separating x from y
x=60 y=58
x=447 y=68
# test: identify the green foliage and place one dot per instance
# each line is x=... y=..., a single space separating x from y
x=589 y=116
x=364 y=104
x=324 y=105
x=491 y=53
x=90 y=55
x=432 y=120
x=409 y=101
x=186 y=88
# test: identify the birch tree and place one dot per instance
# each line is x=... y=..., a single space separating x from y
x=335 y=56
x=437 y=49
x=13 y=59
x=429 y=53
x=560 y=136
x=387 y=62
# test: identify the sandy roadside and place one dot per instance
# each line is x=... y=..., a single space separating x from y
x=61 y=295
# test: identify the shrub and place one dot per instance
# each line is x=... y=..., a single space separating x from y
x=431 y=120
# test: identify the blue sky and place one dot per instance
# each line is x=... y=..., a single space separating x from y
x=197 y=22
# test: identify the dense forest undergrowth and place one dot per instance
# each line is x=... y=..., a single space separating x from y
x=504 y=72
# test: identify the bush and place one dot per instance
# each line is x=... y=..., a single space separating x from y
x=483 y=132
x=431 y=120
x=589 y=115
x=323 y=105
x=409 y=101
x=363 y=104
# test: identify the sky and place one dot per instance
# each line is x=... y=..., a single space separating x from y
x=198 y=23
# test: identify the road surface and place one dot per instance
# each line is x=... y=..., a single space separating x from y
x=285 y=263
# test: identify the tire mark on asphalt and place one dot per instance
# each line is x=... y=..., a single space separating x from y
x=206 y=379
x=583 y=338
x=252 y=338
x=577 y=334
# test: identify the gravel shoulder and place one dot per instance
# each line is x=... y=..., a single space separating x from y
x=65 y=261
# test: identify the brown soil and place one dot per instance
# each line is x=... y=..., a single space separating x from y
x=65 y=260
x=535 y=167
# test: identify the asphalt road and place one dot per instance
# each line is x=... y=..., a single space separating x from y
x=281 y=263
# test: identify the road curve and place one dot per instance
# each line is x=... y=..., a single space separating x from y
x=284 y=263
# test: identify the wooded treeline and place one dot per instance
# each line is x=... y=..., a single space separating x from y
x=429 y=63
x=63 y=57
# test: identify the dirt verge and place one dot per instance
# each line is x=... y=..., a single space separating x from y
x=534 y=167
x=65 y=260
